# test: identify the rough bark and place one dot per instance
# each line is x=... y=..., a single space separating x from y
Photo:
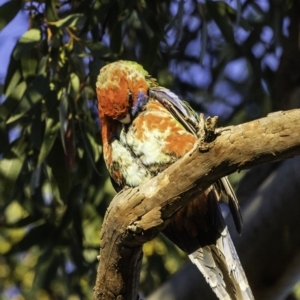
x=269 y=246
x=137 y=215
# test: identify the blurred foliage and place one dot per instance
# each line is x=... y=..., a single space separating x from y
x=222 y=56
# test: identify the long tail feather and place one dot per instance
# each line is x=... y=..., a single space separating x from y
x=222 y=269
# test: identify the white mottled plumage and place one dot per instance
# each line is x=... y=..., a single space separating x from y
x=128 y=165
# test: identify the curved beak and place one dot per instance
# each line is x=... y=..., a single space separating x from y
x=126 y=119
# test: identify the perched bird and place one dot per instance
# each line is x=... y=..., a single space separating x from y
x=145 y=129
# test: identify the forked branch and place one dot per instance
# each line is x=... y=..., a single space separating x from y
x=137 y=215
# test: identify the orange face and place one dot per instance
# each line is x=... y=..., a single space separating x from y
x=118 y=85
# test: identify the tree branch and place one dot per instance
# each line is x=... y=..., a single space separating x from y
x=137 y=215
x=269 y=247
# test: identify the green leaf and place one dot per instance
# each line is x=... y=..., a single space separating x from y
x=100 y=50
x=27 y=41
x=51 y=130
x=29 y=63
x=14 y=80
x=58 y=173
x=50 y=10
x=13 y=76
x=12 y=100
x=35 y=92
x=92 y=149
x=10 y=168
x=74 y=86
x=63 y=118
x=42 y=67
x=35 y=181
x=8 y=11
x=74 y=20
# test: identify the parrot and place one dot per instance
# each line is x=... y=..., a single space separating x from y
x=145 y=128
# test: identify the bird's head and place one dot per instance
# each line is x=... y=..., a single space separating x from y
x=121 y=87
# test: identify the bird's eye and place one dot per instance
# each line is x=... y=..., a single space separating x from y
x=130 y=99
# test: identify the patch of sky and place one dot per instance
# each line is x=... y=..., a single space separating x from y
x=241 y=35
x=263 y=5
x=65 y=6
x=218 y=108
x=193 y=47
x=267 y=34
x=21 y=256
x=106 y=39
x=14 y=133
x=47 y=193
x=258 y=49
x=252 y=13
x=69 y=267
x=213 y=30
x=270 y=60
x=138 y=51
x=35 y=7
x=174 y=8
x=265 y=86
x=11 y=292
x=86 y=61
x=8 y=38
x=224 y=90
x=171 y=36
x=193 y=23
x=278 y=51
x=237 y=70
x=285 y=26
x=192 y=74
x=2 y=98
x=188 y=6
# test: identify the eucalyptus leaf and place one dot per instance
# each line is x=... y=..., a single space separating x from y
x=58 y=173
x=73 y=20
x=27 y=41
x=36 y=91
x=74 y=86
x=90 y=148
x=51 y=131
x=63 y=118
x=51 y=10
x=12 y=82
x=10 y=167
x=12 y=100
x=8 y=11
x=99 y=49
x=29 y=64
